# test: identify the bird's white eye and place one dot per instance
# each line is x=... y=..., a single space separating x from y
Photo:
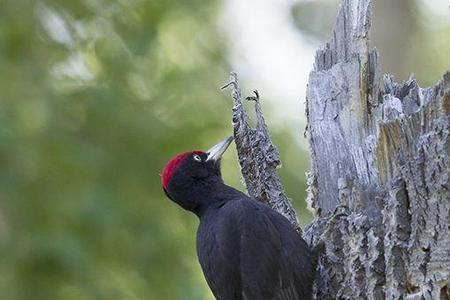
x=197 y=158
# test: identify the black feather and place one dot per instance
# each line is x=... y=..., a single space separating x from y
x=247 y=251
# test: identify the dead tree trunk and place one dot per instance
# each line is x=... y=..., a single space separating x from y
x=379 y=181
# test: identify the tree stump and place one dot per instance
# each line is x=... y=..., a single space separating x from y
x=379 y=181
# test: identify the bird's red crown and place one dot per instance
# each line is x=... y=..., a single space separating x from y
x=173 y=165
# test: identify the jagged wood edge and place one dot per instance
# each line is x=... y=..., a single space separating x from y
x=381 y=246
x=258 y=157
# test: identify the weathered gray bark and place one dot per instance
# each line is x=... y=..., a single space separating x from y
x=258 y=156
x=379 y=181
x=381 y=151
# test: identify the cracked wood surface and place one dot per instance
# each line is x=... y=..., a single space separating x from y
x=390 y=170
x=379 y=181
x=258 y=156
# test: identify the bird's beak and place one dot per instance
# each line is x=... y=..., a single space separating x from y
x=216 y=151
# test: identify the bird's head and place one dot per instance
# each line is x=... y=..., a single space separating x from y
x=189 y=176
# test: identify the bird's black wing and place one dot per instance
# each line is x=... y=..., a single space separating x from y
x=276 y=260
x=239 y=251
x=298 y=266
x=260 y=250
x=243 y=254
x=218 y=252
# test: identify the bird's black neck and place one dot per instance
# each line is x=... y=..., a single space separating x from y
x=214 y=198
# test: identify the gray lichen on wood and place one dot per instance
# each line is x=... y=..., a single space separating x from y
x=380 y=149
x=258 y=156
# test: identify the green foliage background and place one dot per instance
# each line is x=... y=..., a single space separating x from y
x=95 y=97
x=82 y=213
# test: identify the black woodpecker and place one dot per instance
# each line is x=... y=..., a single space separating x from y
x=247 y=251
